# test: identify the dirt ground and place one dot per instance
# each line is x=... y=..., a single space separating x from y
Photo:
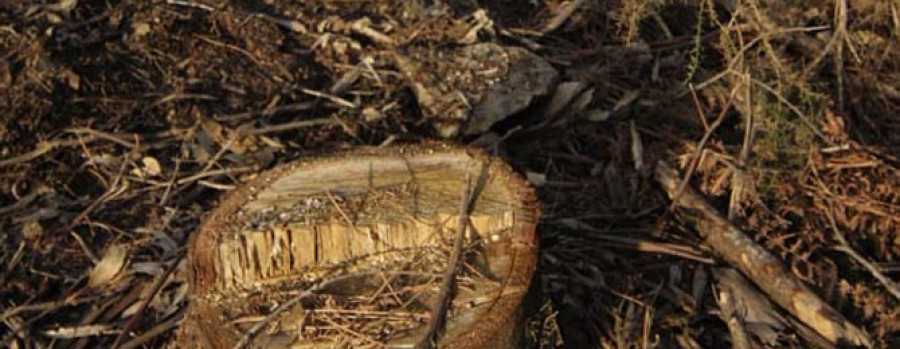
x=123 y=122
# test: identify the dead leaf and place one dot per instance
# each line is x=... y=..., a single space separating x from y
x=596 y=115
x=563 y=94
x=580 y=103
x=479 y=21
x=833 y=125
x=372 y=115
x=637 y=148
x=104 y=159
x=54 y=18
x=151 y=166
x=111 y=265
x=71 y=78
x=140 y=29
x=529 y=76
x=148 y=268
x=66 y=5
x=201 y=148
x=236 y=141
x=629 y=97
x=536 y=179
x=32 y=229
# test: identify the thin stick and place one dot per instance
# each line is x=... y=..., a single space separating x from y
x=700 y=114
x=68 y=302
x=351 y=332
x=41 y=149
x=102 y=135
x=335 y=99
x=739 y=178
x=171 y=183
x=111 y=193
x=372 y=234
x=890 y=285
x=268 y=111
x=253 y=331
x=731 y=65
x=27 y=325
x=157 y=286
x=695 y=158
x=191 y=4
x=293 y=125
x=838 y=57
x=439 y=312
x=213 y=173
x=10 y=266
x=153 y=333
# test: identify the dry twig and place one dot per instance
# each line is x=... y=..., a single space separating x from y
x=309 y=292
x=157 y=286
x=439 y=312
x=844 y=246
x=698 y=152
x=739 y=178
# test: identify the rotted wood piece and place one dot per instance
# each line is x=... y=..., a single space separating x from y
x=319 y=236
x=759 y=265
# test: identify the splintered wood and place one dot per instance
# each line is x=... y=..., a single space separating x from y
x=309 y=250
x=351 y=251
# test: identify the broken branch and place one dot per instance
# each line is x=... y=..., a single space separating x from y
x=744 y=254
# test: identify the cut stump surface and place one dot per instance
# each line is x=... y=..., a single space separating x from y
x=379 y=223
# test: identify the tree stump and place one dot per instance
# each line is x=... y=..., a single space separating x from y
x=349 y=250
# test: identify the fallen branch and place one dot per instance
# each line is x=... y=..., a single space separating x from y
x=759 y=265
